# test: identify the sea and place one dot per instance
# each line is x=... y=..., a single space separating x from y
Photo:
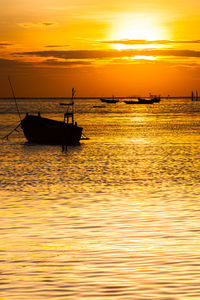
x=116 y=217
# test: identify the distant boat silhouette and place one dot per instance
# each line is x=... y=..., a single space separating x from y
x=153 y=99
x=107 y=100
x=42 y=130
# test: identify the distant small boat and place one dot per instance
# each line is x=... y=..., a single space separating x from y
x=153 y=99
x=108 y=100
x=145 y=101
x=40 y=130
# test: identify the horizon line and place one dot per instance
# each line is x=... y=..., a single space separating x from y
x=95 y=97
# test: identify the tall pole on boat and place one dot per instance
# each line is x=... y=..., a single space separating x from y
x=14 y=98
x=73 y=93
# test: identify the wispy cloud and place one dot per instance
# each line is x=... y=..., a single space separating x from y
x=38 y=24
x=83 y=58
x=73 y=54
x=2 y=45
x=48 y=23
x=56 y=46
x=19 y=64
x=103 y=54
x=55 y=62
x=12 y=63
x=148 y=42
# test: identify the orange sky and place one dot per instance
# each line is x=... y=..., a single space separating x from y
x=99 y=47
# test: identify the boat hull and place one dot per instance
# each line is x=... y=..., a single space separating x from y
x=109 y=100
x=139 y=102
x=143 y=101
x=41 y=130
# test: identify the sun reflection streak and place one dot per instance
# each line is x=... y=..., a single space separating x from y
x=138 y=46
x=141 y=57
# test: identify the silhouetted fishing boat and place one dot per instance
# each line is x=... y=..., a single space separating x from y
x=156 y=99
x=40 y=130
x=108 y=100
x=153 y=99
x=145 y=101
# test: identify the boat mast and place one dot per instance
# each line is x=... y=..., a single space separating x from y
x=14 y=98
x=73 y=93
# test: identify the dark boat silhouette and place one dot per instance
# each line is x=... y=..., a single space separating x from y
x=153 y=99
x=40 y=130
x=107 y=100
x=156 y=99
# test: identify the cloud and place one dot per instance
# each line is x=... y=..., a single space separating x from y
x=56 y=62
x=48 y=23
x=176 y=53
x=19 y=64
x=5 y=44
x=13 y=64
x=73 y=54
x=83 y=58
x=56 y=46
x=2 y=45
x=27 y=25
x=107 y=54
x=147 y=42
x=39 y=24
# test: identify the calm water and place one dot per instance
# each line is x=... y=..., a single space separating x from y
x=117 y=217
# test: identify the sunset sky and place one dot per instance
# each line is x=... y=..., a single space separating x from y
x=99 y=47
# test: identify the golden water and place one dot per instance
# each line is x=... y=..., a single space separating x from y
x=117 y=217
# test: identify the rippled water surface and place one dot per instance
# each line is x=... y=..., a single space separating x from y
x=117 y=217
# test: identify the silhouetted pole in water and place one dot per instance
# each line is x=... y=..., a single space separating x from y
x=64 y=147
x=192 y=96
x=195 y=97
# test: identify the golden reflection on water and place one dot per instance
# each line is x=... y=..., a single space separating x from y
x=123 y=247
x=116 y=217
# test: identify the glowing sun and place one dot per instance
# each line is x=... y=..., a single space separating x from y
x=137 y=27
